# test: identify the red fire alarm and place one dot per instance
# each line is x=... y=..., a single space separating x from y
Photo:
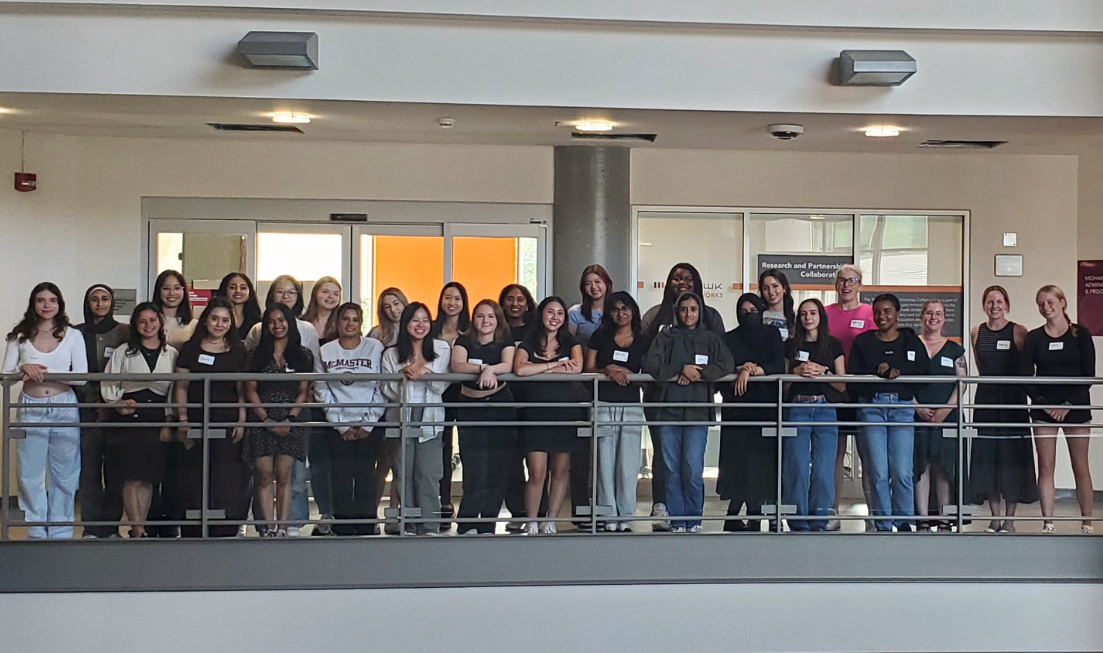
x=26 y=182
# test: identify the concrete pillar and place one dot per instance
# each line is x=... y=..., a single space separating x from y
x=592 y=216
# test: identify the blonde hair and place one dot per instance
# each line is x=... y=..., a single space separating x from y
x=849 y=267
x=386 y=327
x=923 y=308
x=1051 y=289
x=313 y=308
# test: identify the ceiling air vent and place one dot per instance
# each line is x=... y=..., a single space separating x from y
x=613 y=138
x=230 y=127
x=961 y=145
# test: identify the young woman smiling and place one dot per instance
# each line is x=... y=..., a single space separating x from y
x=549 y=349
x=170 y=294
x=773 y=288
x=320 y=313
x=388 y=312
x=519 y=308
x=41 y=343
x=325 y=297
x=485 y=450
x=453 y=319
x=1060 y=348
x=139 y=452
x=585 y=317
x=238 y=288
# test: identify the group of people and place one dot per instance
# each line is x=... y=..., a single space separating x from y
x=146 y=461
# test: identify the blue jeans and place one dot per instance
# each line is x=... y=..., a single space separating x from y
x=815 y=447
x=890 y=443
x=684 y=458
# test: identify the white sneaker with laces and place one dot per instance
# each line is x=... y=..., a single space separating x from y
x=548 y=528
x=531 y=528
x=294 y=531
x=678 y=529
x=833 y=524
x=662 y=523
x=697 y=529
x=1087 y=530
x=1048 y=529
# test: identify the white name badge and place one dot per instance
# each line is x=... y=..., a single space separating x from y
x=701 y=359
x=911 y=355
x=475 y=361
x=1003 y=345
x=802 y=356
x=946 y=362
x=1056 y=346
x=857 y=324
x=784 y=333
x=620 y=356
x=206 y=359
x=108 y=352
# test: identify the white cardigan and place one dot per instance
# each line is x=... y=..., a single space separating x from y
x=432 y=389
x=134 y=363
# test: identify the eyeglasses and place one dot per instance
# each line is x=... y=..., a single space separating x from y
x=848 y=281
x=621 y=309
x=288 y=293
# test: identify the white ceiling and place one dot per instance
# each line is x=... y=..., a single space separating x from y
x=187 y=117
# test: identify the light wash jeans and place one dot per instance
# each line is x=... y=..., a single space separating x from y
x=51 y=452
x=890 y=443
x=618 y=458
x=808 y=464
x=684 y=458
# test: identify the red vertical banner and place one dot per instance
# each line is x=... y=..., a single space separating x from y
x=199 y=298
x=1089 y=296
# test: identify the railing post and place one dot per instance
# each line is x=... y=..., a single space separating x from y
x=205 y=443
x=960 y=455
x=593 y=459
x=780 y=419
x=5 y=442
x=403 y=498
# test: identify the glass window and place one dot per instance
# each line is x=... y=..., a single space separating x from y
x=807 y=248
x=305 y=256
x=413 y=264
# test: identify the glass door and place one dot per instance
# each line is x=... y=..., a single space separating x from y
x=307 y=252
x=486 y=258
x=203 y=250
x=407 y=257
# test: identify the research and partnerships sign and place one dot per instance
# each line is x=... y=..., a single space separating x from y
x=1089 y=296
x=804 y=269
x=911 y=302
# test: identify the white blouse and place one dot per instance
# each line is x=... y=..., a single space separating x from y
x=123 y=362
x=177 y=333
x=69 y=356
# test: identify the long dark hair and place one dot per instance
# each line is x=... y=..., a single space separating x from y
x=529 y=301
x=250 y=312
x=184 y=313
x=683 y=298
x=27 y=328
x=405 y=343
x=667 y=308
x=133 y=338
x=537 y=337
x=800 y=335
x=607 y=322
x=297 y=309
x=604 y=276
x=787 y=298
x=463 y=320
x=233 y=337
x=266 y=348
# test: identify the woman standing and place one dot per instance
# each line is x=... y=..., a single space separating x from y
x=453 y=319
x=551 y=349
x=685 y=358
x=416 y=354
x=214 y=348
x=748 y=461
x=616 y=350
x=388 y=313
x=813 y=354
x=42 y=343
x=682 y=278
x=848 y=318
x=272 y=446
x=485 y=450
x=139 y=452
x=1002 y=461
x=1060 y=348
x=936 y=455
x=320 y=311
x=354 y=446
x=585 y=318
x=170 y=293
x=100 y=488
x=889 y=434
x=773 y=287
x=519 y=308
x=238 y=288
x=321 y=315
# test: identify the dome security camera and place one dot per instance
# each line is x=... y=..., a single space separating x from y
x=785 y=132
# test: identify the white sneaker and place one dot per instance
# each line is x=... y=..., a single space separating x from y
x=242 y=530
x=294 y=531
x=1048 y=529
x=833 y=524
x=1087 y=530
x=470 y=531
x=697 y=529
x=531 y=528
x=661 y=524
x=678 y=529
x=612 y=527
x=548 y=528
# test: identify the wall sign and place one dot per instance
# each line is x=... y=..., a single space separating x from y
x=804 y=269
x=911 y=302
x=125 y=301
x=1089 y=296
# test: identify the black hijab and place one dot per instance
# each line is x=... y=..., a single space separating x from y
x=90 y=328
x=751 y=340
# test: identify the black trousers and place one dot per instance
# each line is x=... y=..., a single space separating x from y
x=352 y=470
x=167 y=502
x=487 y=453
x=580 y=476
x=451 y=395
x=227 y=484
x=101 y=488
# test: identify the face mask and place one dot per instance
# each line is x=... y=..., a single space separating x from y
x=749 y=319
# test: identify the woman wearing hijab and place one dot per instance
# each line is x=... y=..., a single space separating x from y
x=100 y=488
x=748 y=461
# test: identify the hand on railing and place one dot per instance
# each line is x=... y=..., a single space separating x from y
x=32 y=372
x=883 y=370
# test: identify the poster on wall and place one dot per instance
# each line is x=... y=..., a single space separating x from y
x=804 y=270
x=1089 y=296
x=911 y=303
x=199 y=298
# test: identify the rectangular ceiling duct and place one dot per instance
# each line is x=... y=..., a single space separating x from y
x=297 y=50
x=875 y=67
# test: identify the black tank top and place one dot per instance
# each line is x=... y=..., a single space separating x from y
x=997 y=355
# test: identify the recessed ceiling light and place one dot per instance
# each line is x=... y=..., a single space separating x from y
x=594 y=126
x=291 y=118
x=882 y=131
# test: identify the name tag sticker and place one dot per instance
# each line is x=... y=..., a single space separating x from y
x=802 y=356
x=1003 y=345
x=857 y=324
x=108 y=352
x=620 y=356
x=946 y=362
x=701 y=359
x=784 y=333
x=1056 y=346
x=475 y=361
x=206 y=359
x=911 y=356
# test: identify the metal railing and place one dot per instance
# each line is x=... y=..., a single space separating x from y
x=963 y=430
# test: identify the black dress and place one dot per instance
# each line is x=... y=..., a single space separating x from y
x=552 y=438
x=139 y=451
x=931 y=445
x=259 y=441
x=1072 y=354
x=1002 y=460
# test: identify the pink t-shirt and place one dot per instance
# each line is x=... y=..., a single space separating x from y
x=846 y=325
